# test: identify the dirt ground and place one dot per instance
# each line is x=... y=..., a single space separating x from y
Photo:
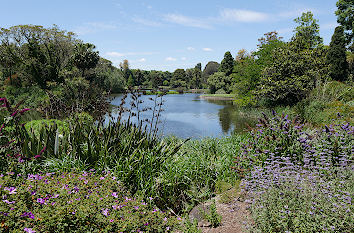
x=233 y=211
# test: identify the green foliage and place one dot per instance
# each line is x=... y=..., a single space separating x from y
x=345 y=17
x=76 y=202
x=131 y=82
x=336 y=56
x=213 y=217
x=219 y=81
x=307 y=33
x=35 y=53
x=191 y=227
x=210 y=68
x=227 y=64
x=179 y=78
x=292 y=75
x=191 y=175
x=196 y=81
x=77 y=95
x=245 y=79
x=326 y=102
x=266 y=47
x=32 y=96
x=84 y=57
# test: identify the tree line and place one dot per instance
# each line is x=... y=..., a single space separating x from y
x=284 y=73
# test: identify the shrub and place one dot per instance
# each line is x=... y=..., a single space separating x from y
x=300 y=181
x=76 y=202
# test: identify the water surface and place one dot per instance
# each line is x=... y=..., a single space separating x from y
x=187 y=115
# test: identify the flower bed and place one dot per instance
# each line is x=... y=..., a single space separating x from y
x=75 y=202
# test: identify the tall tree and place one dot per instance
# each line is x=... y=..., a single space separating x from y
x=36 y=53
x=219 y=82
x=292 y=75
x=197 y=76
x=336 y=56
x=209 y=69
x=307 y=33
x=85 y=57
x=345 y=17
x=124 y=66
x=266 y=47
x=227 y=64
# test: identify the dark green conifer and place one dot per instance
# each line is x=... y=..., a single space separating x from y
x=336 y=56
x=227 y=64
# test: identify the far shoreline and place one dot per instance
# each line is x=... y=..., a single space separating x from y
x=217 y=96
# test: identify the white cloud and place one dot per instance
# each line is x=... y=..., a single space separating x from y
x=170 y=59
x=207 y=49
x=187 y=21
x=117 y=54
x=146 y=22
x=94 y=27
x=190 y=48
x=295 y=13
x=183 y=58
x=142 y=60
x=237 y=15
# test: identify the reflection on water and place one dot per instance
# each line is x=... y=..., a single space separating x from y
x=187 y=115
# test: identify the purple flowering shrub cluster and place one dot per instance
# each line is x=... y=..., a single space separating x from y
x=300 y=181
x=76 y=202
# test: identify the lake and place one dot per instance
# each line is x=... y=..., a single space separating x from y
x=187 y=115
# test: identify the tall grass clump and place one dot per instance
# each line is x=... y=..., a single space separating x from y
x=297 y=180
x=194 y=173
x=326 y=102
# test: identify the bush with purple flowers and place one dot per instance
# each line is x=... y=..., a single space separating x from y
x=75 y=202
x=300 y=181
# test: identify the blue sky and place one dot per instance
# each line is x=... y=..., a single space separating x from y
x=169 y=34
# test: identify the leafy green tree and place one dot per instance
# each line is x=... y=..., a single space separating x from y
x=227 y=64
x=266 y=47
x=219 y=81
x=336 y=56
x=307 y=33
x=345 y=17
x=179 y=78
x=292 y=75
x=35 y=53
x=156 y=78
x=210 y=68
x=131 y=82
x=85 y=57
x=124 y=66
x=197 y=76
x=139 y=77
x=245 y=78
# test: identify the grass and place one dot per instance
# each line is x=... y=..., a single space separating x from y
x=160 y=92
x=219 y=95
x=197 y=170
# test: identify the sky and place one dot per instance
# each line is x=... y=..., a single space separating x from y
x=169 y=34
